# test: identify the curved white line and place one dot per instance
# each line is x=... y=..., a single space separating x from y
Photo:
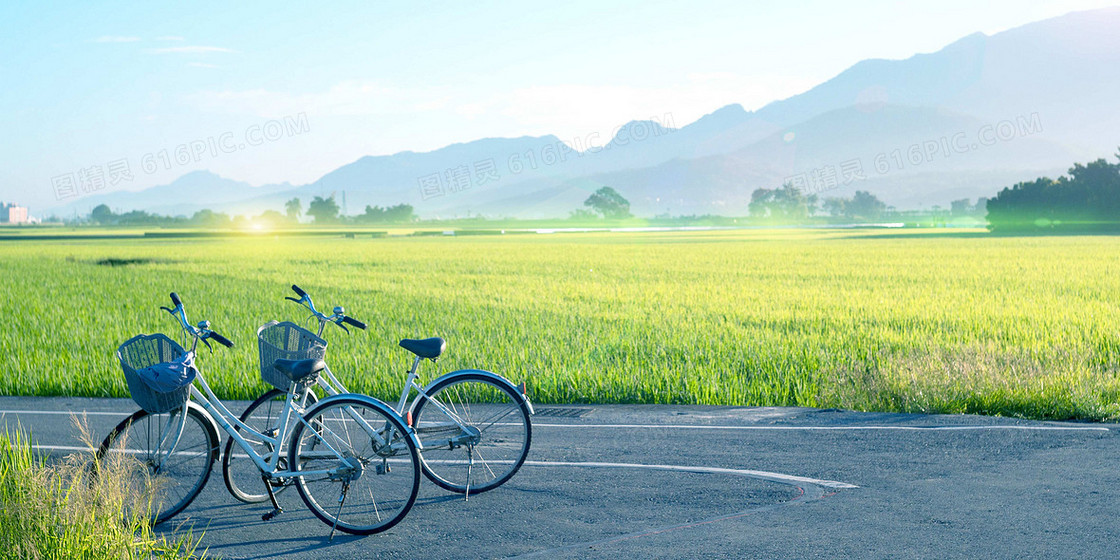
x=764 y=475
x=835 y=428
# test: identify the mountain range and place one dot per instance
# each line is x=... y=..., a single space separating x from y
x=963 y=122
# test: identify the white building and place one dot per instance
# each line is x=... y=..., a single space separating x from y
x=13 y=214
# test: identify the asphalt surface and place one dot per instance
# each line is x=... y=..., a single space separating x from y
x=714 y=482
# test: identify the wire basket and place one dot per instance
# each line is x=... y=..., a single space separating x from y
x=287 y=341
x=147 y=350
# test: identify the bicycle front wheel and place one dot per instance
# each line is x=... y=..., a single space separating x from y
x=474 y=432
x=356 y=467
x=163 y=459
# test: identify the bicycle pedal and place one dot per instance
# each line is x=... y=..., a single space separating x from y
x=271 y=514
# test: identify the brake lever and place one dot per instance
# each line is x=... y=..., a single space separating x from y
x=300 y=301
x=343 y=327
x=207 y=343
x=167 y=310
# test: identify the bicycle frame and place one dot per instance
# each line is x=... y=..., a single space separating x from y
x=332 y=386
x=226 y=419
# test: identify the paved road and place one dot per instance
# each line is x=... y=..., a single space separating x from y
x=620 y=481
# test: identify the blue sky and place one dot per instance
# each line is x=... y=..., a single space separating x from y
x=87 y=83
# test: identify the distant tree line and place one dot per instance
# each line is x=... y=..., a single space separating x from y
x=1087 y=199
x=321 y=210
x=788 y=205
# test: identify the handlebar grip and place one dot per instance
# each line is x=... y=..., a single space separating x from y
x=175 y=299
x=299 y=291
x=353 y=322
x=221 y=339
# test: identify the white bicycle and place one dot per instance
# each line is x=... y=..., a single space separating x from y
x=473 y=426
x=351 y=457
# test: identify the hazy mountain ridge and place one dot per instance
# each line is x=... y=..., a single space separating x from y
x=874 y=112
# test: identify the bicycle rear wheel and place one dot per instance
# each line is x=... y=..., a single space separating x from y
x=164 y=469
x=242 y=477
x=363 y=470
x=478 y=439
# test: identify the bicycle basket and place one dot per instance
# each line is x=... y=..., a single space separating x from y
x=287 y=341
x=143 y=351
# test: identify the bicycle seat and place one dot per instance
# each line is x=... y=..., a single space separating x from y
x=297 y=370
x=429 y=348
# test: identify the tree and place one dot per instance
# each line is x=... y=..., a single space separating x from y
x=582 y=215
x=961 y=207
x=209 y=218
x=835 y=207
x=102 y=214
x=136 y=218
x=981 y=207
x=784 y=204
x=293 y=208
x=323 y=210
x=400 y=213
x=608 y=203
x=864 y=206
x=1088 y=198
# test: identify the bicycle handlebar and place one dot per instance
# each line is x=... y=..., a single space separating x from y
x=338 y=318
x=202 y=331
x=220 y=339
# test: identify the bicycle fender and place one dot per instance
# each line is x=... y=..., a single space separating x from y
x=213 y=424
x=481 y=372
x=374 y=403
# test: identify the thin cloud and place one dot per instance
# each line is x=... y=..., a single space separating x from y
x=170 y=38
x=350 y=98
x=192 y=49
x=116 y=39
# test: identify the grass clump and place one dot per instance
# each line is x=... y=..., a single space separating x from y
x=72 y=509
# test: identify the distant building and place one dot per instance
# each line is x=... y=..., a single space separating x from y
x=13 y=214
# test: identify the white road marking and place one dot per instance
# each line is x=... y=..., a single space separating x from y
x=62 y=448
x=704 y=426
x=832 y=428
x=68 y=412
x=764 y=475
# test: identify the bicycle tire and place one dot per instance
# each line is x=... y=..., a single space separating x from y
x=334 y=498
x=499 y=448
x=165 y=484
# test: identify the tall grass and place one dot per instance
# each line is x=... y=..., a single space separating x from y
x=75 y=508
x=917 y=321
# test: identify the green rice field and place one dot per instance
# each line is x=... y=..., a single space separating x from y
x=899 y=320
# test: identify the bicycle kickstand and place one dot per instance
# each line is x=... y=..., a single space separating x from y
x=470 y=466
x=276 y=509
x=341 y=500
